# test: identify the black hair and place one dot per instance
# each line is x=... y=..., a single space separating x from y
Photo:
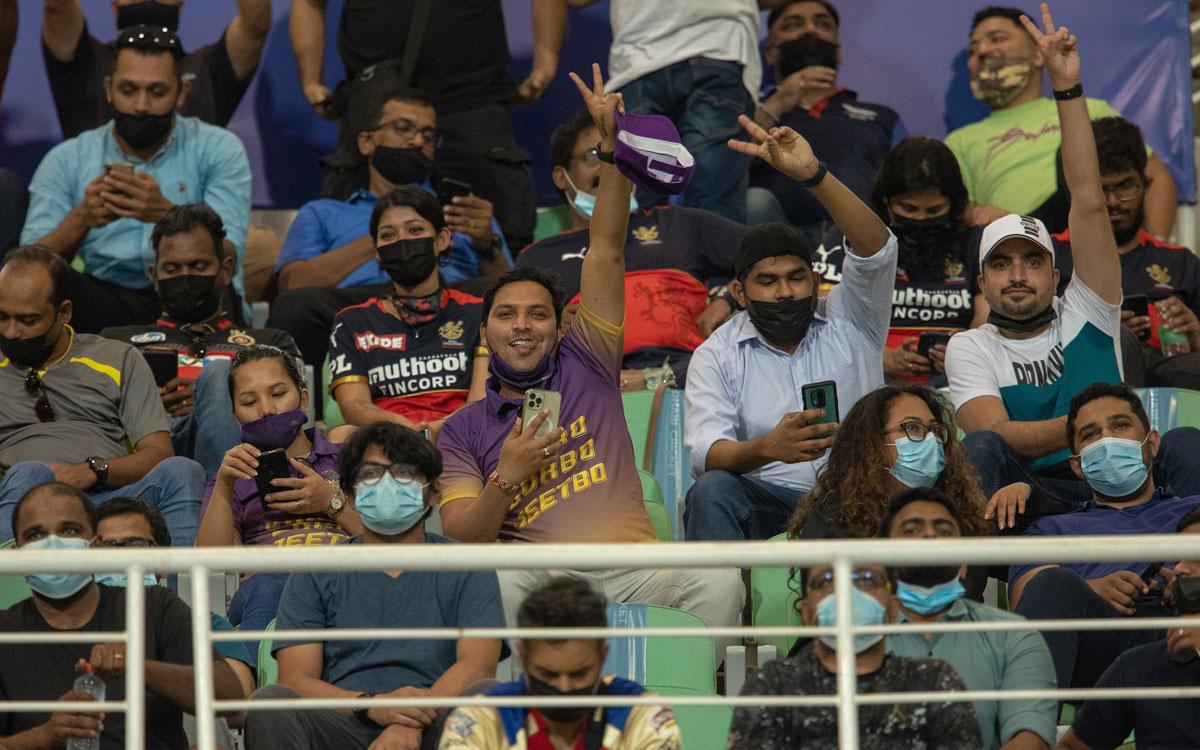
x=562 y=142
x=54 y=488
x=184 y=218
x=1104 y=390
x=917 y=164
x=56 y=267
x=259 y=352
x=1191 y=518
x=415 y=198
x=999 y=11
x=131 y=506
x=548 y=280
x=1119 y=146
x=149 y=41
x=906 y=498
x=563 y=602
x=400 y=444
x=774 y=15
x=407 y=94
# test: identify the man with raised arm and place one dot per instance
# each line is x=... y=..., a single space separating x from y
x=578 y=482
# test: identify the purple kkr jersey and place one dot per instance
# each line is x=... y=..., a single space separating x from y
x=593 y=492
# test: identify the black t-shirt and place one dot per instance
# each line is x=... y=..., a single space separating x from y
x=1154 y=268
x=43 y=671
x=1159 y=724
x=222 y=339
x=78 y=86
x=464 y=54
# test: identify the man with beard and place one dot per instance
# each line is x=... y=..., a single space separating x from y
x=98 y=195
x=985 y=660
x=328 y=257
x=190 y=270
x=76 y=61
x=1007 y=158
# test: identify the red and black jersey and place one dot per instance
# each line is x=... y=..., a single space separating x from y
x=421 y=372
x=194 y=344
x=1154 y=268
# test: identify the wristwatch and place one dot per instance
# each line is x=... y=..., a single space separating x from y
x=337 y=503
x=361 y=713
x=100 y=467
x=819 y=175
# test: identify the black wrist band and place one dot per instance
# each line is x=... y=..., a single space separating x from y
x=1074 y=92
x=603 y=155
x=815 y=180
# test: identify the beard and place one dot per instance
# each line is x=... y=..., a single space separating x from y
x=1126 y=234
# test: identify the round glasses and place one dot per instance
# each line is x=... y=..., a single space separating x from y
x=370 y=473
x=916 y=431
x=864 y=579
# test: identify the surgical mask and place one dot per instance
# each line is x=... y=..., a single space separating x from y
x=408 y=262
x=143 y=131
x=1022 y=326
x=1114 y=467
x=148 y=13
x=402 y=166
x=560 y=714
x=585 y=203
x=998 y=81
x=189 y=298
x=390 y=506
x=29 y=353
x=58 y=585
x=274 y=430
x=805 y=51
x=119 y=580
x=919 y=463
x=784 y=322
x=925 y=600
x=865 y=609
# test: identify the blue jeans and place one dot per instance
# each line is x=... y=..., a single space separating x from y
x=175 y=487
x=722 y=506
x=211 y=429
x=255 y=604
x=703 y=98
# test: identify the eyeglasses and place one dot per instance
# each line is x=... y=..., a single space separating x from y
x=916 y=431
x=1124 y=191
x=370 y=472
x=144 y=36
x=864 y=579
x=590 y=157
x=133 y=541
x=33 y=386
x=405 y=128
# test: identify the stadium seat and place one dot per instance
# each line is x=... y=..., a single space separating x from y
x=12 y=585
x=268 y=668
x=331 y=412
x=668 y=455
x=1169 y=408
x=701 y=727
x=551 y=220
x=773 y=603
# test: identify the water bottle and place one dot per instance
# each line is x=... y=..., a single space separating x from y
x=88 y=684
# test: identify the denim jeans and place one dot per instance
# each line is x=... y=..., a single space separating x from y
x=255 y=604
x=211 y=429
x=703 y=98
x=175 y=487
x=722 y=506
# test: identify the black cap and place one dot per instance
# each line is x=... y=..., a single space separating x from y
x=770 y=240
x=149 y=38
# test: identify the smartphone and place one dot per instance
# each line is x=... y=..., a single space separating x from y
x=1138 y=304
x=449 y=188
x=113 y=167
x=271 y=465
x=536 y=400
x=1151 y=571
x=930 y=339
x=164 y=363
x=822 y=395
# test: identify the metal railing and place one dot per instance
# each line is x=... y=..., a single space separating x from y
x=841 y=555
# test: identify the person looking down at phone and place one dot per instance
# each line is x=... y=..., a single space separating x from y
x=565 y=474
x=78 y=408
x=98 y=195
x=328 y=260
x=411 y=356
x=1116 y=452
x=278 y=486
x=766 y=391
x=190 y=345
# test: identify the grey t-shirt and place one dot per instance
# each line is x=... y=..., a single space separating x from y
x=104 y=401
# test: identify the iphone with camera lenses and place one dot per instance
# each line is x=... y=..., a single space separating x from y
x=822 y=395
x=537 y=399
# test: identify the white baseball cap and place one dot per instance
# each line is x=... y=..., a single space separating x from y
x=1014 y=226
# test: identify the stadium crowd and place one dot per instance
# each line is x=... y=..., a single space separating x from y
x=876 y=336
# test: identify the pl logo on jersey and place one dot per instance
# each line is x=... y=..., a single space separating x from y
x=369 y=341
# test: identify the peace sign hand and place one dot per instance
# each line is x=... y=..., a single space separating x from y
x=782 y=148
x=1059 y=49
x=603 y=107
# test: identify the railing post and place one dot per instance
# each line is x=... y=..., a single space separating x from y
x=847 y=677
x=202 y=659
x=135 y=658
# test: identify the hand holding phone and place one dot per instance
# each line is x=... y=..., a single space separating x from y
x=822 y=395
x=164 y=363
x=537 y=399
x=449 y=188
x=930 y=339
x=271 y=465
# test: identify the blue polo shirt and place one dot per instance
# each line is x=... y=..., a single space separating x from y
x=1158 y=515
x=324 y=224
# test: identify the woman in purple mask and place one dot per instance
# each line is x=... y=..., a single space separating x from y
x=306 y=508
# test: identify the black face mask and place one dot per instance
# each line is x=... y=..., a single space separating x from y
x=143 y=131
x=805 y=51
x=31 y=352
x=1022 y=326
x=1185 y=595
x=402 y=166
x=148 y=13
x=189 y=298
x=927 y=576
x=935 y=235
x=785 y=322
x=408 y=262
x=561 y=714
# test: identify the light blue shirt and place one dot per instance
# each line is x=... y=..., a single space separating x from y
x=739 y=386
x=200 y=163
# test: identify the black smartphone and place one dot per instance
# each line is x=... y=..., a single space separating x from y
x=164 y=363
x=1151 y=571
x=1138 y=304
x=822 y=395
x=930 y=339
x=271 y=465
x=449 y=188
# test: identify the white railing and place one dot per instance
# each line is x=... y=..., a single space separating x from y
x=842 y=555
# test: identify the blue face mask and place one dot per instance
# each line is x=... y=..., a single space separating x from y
x=58 y=585
x=866 y=611
x=390 y=506
x=919 y=463
x=585 y=203
x=1114 y=466
x=926 y=601
x=119 y=580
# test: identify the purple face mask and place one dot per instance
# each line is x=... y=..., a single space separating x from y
x=648 y=151
x=274 y=430
x=523 y=381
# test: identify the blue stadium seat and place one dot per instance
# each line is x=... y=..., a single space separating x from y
x=1169 y=408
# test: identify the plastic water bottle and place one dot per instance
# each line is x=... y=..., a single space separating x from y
x=88 y=684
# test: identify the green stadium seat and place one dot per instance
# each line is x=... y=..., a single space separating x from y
x=1169 y=408
x=551 y=220
x=331 y=413
x=12 y=585
x=773 y=603
x=701 y=727
x=268 y=668
x=659 y=520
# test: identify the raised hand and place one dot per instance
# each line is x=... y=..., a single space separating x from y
x=782 y=148
x=603 y=107
x=1059 y=50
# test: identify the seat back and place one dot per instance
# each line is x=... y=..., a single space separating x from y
x=1161 y=406
x=278 y=220
x=268 y=668
x=660 y=663
x=551 y=220
x=331 y=412
x=12 y=585
x=774 y=603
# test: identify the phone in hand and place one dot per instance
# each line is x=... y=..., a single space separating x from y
x=450 y=188
x=1138 y=304
x=164 y=363
x=271 y=465
x=537 y=399
x=822 y=395
x=930 y=339
x=1151 y=571
x=119 y=167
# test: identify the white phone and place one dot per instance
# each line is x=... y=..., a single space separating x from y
x=537 y=399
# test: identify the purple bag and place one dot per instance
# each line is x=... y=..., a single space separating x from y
x=649 y=153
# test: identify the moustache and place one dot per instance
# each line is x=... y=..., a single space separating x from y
x=1018 y=288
